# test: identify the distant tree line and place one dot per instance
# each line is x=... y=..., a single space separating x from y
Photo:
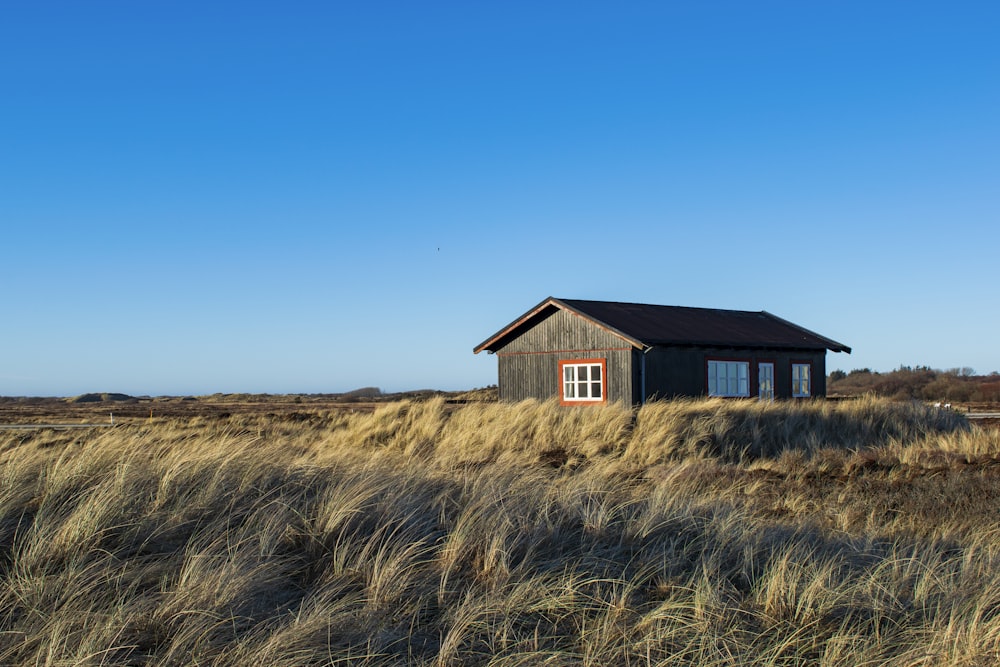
x=918 y=382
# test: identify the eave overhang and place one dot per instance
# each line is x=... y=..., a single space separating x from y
x=831 y=344
x=800 y=338
x=540 y=312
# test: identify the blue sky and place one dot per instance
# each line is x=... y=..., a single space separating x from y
x=319 y=196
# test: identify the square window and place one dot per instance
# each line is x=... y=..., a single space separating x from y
x=582 y=381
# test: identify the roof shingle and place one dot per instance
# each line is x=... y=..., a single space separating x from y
x=644 y=325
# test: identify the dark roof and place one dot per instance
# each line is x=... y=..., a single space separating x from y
x=644 y=325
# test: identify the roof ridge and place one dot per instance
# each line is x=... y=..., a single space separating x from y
x=646 y=324
x=661 y=305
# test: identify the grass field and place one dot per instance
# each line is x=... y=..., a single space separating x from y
x=688 y=533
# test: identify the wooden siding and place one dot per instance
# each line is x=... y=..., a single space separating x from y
x=681 y=371
x=564 y=331
x=524 y=376
x=529 y=364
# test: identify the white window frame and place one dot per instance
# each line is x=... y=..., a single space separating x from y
x=801 y=380
x=765 y=380
x=733 y=374
x=576 y=377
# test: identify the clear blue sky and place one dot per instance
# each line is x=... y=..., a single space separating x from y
x=317 y=196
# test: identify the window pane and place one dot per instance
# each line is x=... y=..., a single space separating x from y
x=728 y=378
x=800 y=379
x=582 y=381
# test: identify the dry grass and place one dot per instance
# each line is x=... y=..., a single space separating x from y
x=689 y=533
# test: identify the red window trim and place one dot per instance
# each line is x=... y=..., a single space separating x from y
x=604 y=381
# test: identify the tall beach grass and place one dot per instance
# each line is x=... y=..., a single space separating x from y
x=684 y=533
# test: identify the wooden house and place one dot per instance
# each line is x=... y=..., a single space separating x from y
x=592 y=352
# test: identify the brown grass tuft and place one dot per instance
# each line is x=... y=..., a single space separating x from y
x=688 y=532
